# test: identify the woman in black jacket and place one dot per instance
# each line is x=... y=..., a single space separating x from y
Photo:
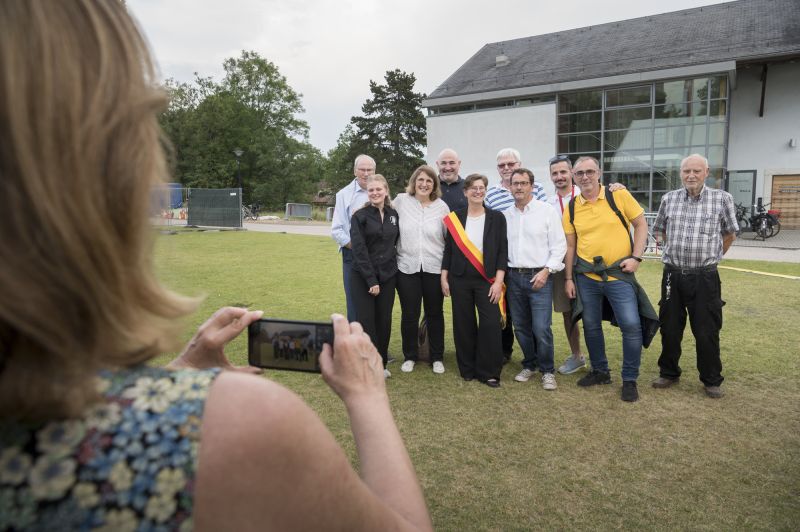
x=373 y=235
x=473 y=269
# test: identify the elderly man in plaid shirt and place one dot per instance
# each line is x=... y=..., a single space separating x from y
x=698 y=225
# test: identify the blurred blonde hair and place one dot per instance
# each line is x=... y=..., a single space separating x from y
x=81 y=151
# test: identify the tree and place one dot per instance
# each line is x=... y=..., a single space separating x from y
x=392 y=129
x=252 y=108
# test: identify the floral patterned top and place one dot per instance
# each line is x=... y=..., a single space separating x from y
x=128 y=464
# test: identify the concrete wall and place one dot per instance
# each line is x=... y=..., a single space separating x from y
x=479 y=135
x=762 y=143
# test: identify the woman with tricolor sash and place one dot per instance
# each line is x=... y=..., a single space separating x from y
x=473 y=268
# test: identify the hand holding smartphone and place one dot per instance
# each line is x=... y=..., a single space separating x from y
x=287 y=344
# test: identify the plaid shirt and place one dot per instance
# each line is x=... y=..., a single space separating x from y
x=694 y=226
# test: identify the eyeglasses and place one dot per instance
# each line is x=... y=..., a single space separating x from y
x=477 y=189
x=520 y=183
x=507 y=165
x=559 y=159
x=587 y=173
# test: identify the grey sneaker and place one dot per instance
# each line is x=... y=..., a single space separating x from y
x=438 y=367
x=408 y=366
x=572 y=364
x=386 y=373
x=549 y=381
x=524 y=375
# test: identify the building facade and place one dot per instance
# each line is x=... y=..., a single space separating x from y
x=640 y=95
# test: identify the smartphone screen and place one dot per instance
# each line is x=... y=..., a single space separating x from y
x=287 y=344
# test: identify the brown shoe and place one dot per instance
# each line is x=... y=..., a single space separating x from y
x=715 y=392
x=664 y=382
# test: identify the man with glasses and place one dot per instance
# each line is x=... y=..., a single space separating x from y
x=699 y=225
x=348 y=199
x=536 y=248
x=452 y=184
x=607 y=258
x=499 y=198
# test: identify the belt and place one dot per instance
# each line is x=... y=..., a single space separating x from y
x=526 y=271
x=690 y=271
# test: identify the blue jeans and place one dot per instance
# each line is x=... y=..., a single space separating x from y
x=622 y=298
x=347 y=271
x=531 y=311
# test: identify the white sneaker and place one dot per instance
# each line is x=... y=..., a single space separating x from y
x=386 y=373
x=549 y=381
x=408 y=366
x=524 y=375
x=438 y=367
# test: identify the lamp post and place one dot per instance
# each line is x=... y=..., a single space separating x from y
x=238 y=153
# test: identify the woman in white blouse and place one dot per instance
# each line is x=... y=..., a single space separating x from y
x=419 y=261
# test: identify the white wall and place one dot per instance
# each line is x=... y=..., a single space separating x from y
x=762 y=143
x=478 y=136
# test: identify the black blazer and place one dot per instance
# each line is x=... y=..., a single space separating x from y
x=373 y=243
x=495 y=246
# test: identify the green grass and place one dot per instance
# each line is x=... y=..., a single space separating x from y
x=520 y=458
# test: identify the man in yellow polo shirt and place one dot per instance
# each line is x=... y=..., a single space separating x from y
x=604 y=249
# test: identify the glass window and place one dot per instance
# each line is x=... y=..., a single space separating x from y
x=643 y=198
x=718 y=110
x=580 y=122
x=628 y=96
x=495 y=105
x=633 y=181
x=719 y=87
x=579 y=143
x=580 y=101
x=629 y=118
x=716 y=155
x=666 y=180
x=714 y=179
x=679 y=114
x=628 y=139
x=716 y=133
x=679 y=91
x=627 y=161
x=668 y=137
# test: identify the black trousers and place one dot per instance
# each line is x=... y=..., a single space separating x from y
x=699 y=294
x=477 y=342
x=374 y=312
x=426 y=289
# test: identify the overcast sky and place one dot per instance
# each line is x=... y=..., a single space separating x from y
x=330 y=50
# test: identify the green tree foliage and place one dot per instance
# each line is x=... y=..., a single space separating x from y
x=392 y=128
x=252 y=108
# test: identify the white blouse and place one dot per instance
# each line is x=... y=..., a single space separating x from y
x=422 y=232
x=474 y=229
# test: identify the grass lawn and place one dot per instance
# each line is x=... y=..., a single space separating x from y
x=521 y=458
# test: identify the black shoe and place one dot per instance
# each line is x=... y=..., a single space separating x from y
x=492 y=383
x=629 y=391
x=595 y=377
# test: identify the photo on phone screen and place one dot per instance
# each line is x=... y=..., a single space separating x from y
x=287 y=344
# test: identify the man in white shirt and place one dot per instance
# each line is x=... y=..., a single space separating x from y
x=536 y=249
x=561 y=176
x=348 y=199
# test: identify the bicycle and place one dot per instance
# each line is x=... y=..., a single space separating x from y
x=765 y=222
x=251 y=212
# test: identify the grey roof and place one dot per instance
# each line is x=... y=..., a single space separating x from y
x=745 y=30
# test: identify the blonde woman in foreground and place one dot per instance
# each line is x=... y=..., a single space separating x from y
x=90 y=436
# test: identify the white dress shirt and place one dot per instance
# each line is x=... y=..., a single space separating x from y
x=422 y=233
x=562 y=204
x=348 y=200
x=535 y=237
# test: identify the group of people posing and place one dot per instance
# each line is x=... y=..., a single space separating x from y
x=508 y=255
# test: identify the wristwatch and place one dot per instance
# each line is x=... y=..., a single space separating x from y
x=551 y=270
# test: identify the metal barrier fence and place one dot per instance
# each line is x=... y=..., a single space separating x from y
x=329 y=214
x=214 y=207
x=298 y=210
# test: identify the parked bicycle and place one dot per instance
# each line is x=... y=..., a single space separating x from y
x=764 y=223
x=251 y=212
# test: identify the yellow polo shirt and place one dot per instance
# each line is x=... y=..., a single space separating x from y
x=600 y=233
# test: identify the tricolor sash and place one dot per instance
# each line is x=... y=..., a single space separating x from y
x=473 y=255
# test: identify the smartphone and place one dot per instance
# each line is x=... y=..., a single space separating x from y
x=287 y=344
